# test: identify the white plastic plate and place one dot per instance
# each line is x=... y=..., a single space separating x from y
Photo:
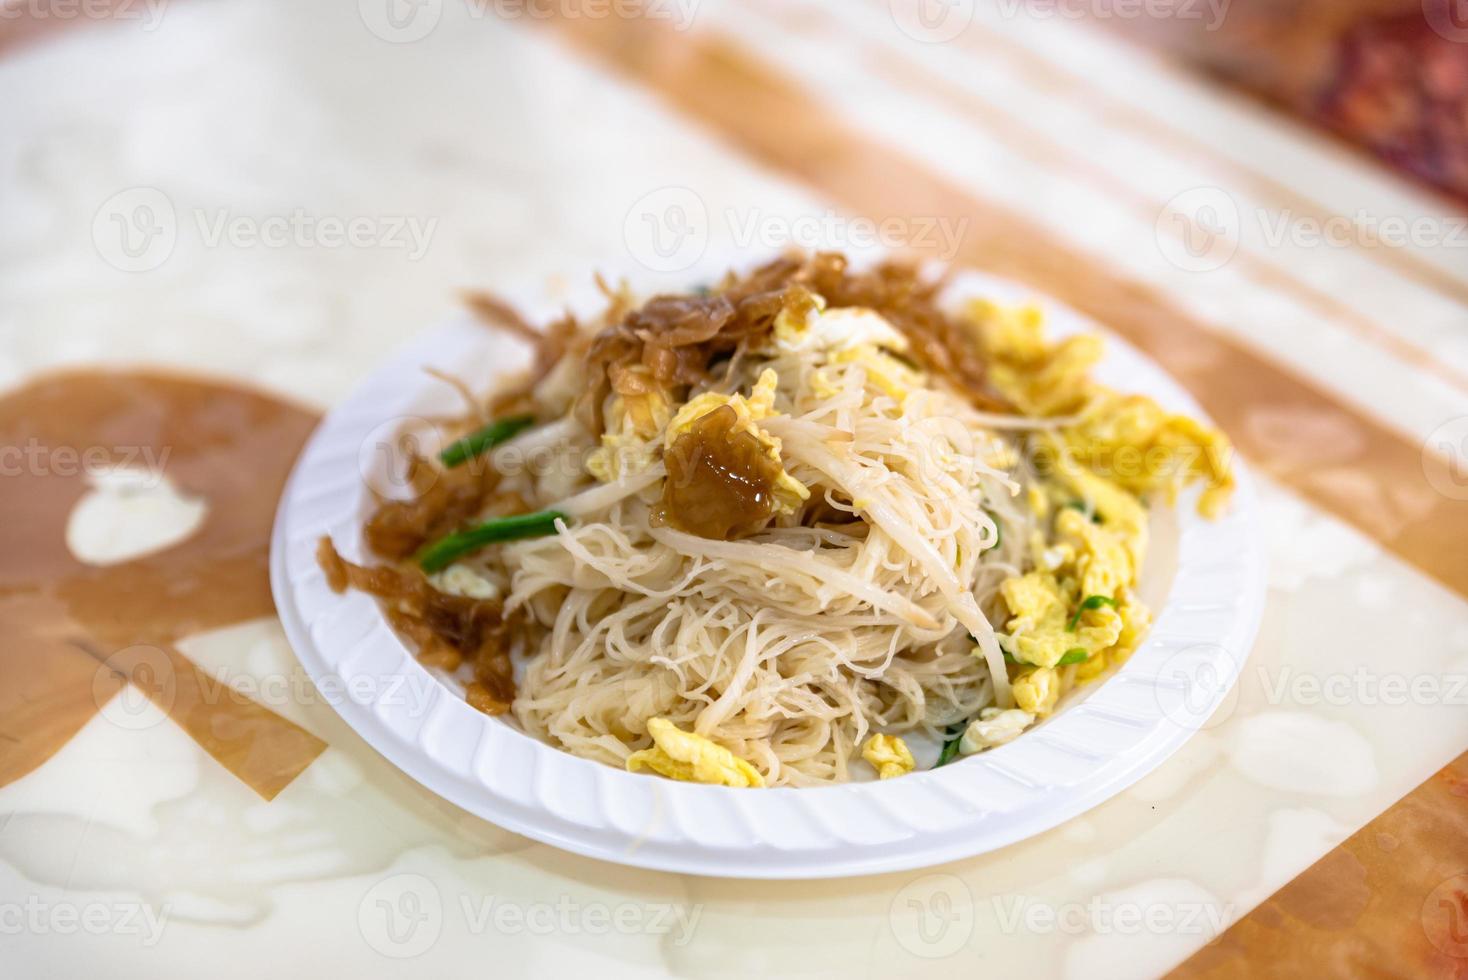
x=1205 y=580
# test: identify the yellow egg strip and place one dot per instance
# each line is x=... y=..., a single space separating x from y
x=691 y=758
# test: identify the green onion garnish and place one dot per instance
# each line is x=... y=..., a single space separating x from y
x=950 y=747
x=1078 y=655
x=1080 y=505
x=445 y=551
x=1008 y=657
x=1092 y=602
x=475 y=443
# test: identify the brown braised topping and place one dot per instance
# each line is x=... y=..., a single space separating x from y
x=550 y=345
x=447 y=629
x=720 y=481
x=909 y=303
x=446 y=499
x=483 y=699
x=675 y=339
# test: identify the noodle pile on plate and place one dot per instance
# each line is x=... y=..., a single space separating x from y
x=777 y=528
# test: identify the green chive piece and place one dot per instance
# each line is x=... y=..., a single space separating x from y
x=998 y=530
x=950 y=747
x=1008 y=657
x=1077 y=655
x=1092 y=602
x=475 y=443
x=1080 y=505
x=443 y=552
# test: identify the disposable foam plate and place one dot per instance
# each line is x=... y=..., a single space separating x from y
x=1205 y=580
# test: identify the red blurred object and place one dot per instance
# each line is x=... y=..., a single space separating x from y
x=1401 y=90
x=1390 y=76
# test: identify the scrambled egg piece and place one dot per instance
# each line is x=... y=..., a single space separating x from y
x=630 y=442
x=1103 y=562
x=1135 y=620
x=1038 y=501
x=994 y=726
x=1117 y=510
x=1036 y=691
x=1038 y=377
x=793 y=322
x=889 y=755
x=1128 y=438
x=1078 y=608
x=1144 y=449
x=835 y=330
x=850 y=335
x=1012 y=334
x=691 y=758
x=1076 y=614
x=789 y=492
x=1042 y=608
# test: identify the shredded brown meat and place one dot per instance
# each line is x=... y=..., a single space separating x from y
x=445 y=500
x=447 y=629
x=550 y=346
x=675 y=340
x=905 y=300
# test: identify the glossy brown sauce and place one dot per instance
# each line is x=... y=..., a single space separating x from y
x=720 y=482
x=76 y=633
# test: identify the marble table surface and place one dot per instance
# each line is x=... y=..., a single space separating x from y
x=175 y=186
